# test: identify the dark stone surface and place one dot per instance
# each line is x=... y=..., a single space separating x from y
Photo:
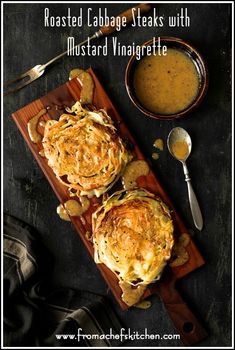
x=28 y=196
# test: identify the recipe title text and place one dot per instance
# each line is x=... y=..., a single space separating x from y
x=100 y=18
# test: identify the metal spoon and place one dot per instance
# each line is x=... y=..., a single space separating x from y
x=179 y=134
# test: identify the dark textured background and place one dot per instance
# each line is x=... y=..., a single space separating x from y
x=28 y=196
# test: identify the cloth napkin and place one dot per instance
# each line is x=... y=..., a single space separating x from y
x=37 y=315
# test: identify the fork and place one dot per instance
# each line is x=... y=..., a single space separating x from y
x=37 y=71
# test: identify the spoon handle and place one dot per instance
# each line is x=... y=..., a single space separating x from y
x=195 y=209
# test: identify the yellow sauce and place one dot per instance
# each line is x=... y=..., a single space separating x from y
x=75 y=73
x=42 y=123
x=62 y=213
x=88 y=236
x=32 y=124
x=87 y=82
x=42 y=153
x=83 y=220
x=180 y=150
x=179 y=253
x=85 y=203
x=73 y=208
x=184 y=239
x=166 y=84
x=131 y=295
x=144 y=304
x=155 y=156
x=134 y=170
x=158 y=143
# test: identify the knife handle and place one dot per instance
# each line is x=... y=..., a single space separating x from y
x=143 y=8
x=189 y=328
x=195 y=209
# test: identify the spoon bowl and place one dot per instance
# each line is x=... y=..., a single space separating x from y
x=179 y=144
x=179 y=135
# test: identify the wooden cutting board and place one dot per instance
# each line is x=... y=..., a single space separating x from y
x=55 y=101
